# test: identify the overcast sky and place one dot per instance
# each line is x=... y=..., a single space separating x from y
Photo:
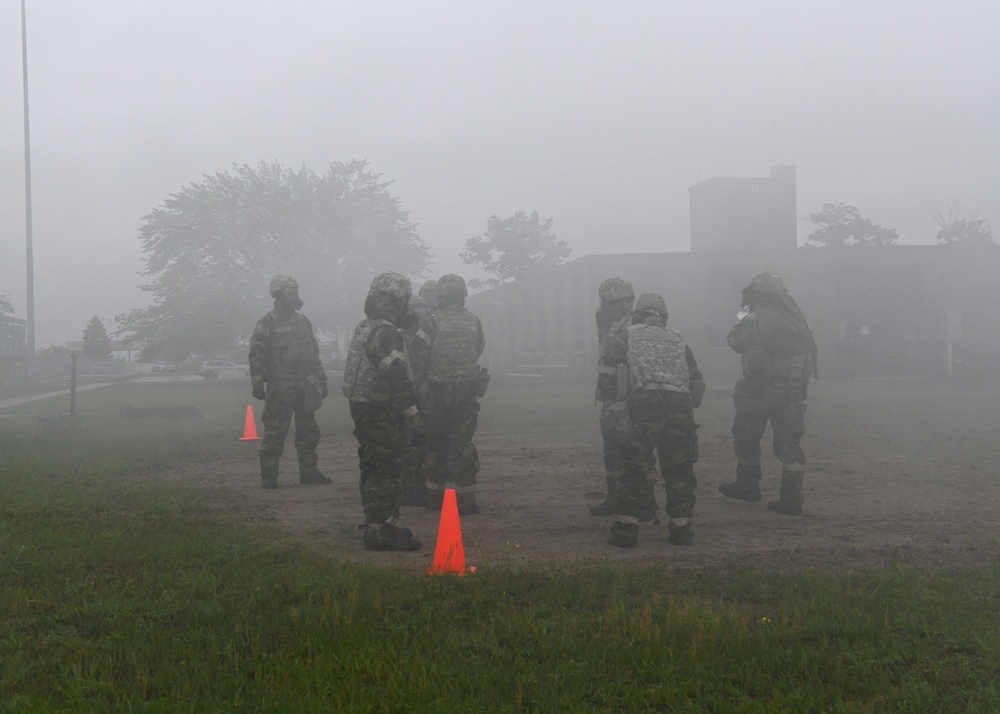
x=597 y=115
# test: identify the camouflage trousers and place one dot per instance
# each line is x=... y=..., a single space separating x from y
x=662 y=422
x=449 y=454
x=284 y=401
x=788 y=425
x=613 y=458
x=381 y=439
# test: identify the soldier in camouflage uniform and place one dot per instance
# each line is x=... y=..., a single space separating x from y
x=447 y=350
x=664 y=387
x=773 y=388
x=383 y=402
x=612 y=315
x=413 y=492
x=428 y=291
x=286 y=372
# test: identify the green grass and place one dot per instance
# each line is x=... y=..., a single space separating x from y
x=123 y=590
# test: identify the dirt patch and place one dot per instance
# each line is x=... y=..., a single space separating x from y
x=899 y=472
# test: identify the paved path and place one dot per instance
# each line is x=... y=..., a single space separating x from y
x=4 y=403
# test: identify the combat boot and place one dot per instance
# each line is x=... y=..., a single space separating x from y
x=624 y=535
x=789 y=499
x=741 y=490
x=314 y=477
x=468 y=508
x=268 y=482
x=607 y=508
x=387 y=537
x=681 y=535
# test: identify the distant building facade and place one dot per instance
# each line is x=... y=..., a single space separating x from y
x=900 y=310
x=735 y=214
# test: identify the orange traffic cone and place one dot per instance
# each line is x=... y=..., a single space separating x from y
x=449 y=555
x=250 y=429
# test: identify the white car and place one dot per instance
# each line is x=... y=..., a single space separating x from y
x=161 y=367
x=223 y=368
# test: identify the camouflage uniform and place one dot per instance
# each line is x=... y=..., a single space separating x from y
x=283 y=356
x=663 y=375
x=413 y=492
x=447 y=351
x=612 y=316
x=383 y=403
x=773 y=389
x=428 y=291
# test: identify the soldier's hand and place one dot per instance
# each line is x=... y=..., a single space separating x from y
x=259 y=392
x=324 y=391
x=415 y=427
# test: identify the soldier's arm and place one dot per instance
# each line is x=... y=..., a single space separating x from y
x=259 y=342
x=613 y=353
x=387 y=352
x=481 y=341
x=314 y=364
x=420 y=349
x=692 y=364
x=739 y=337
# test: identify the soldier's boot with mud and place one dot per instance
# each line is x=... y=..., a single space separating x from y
x=681 y=534
x=314 y=476
x=388 y=537
x=746 y=487
x=789 y=499
x=624 y=535
x=268 y=474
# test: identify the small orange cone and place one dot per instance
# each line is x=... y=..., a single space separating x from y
x=250 y=429
x=449 y=555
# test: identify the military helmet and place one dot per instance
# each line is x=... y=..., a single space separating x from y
x=416 y=302
x=767 y=282
x=450 y=285
x=282 y=282
x=392 y=284
x=428 y=290
x=616 y=289
x=650 y=302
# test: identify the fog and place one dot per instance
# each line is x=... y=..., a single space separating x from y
x=597 y=115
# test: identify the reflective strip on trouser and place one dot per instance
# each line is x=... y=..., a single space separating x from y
x=449 y=454
x=280 y=407
x=381 y=445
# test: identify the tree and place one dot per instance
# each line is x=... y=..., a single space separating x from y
x=211 y=249
x=6 y=306
x=962 y=232
x=514 y=248
x=841 y=226
x=96 y=343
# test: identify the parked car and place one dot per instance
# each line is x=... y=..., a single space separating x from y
x=161 y=366
x=223 y=368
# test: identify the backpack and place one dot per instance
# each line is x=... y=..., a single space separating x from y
x=781 y=334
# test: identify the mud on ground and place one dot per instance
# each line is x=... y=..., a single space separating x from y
x=899 y=471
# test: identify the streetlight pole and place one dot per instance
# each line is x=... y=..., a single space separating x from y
x=30 y=362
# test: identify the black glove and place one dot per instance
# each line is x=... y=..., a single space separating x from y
x=259 y=392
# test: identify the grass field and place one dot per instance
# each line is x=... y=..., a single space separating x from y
x=127 y=590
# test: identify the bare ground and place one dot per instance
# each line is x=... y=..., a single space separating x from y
x=896 y=476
